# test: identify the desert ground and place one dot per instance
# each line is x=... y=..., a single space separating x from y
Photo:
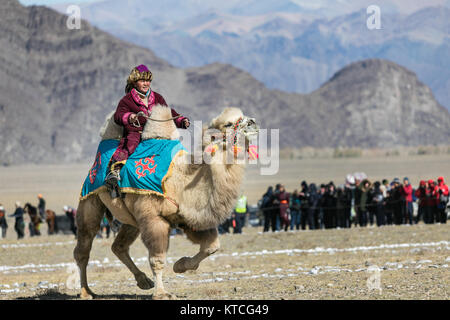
x=391 y=262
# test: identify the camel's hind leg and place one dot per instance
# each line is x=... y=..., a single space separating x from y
x=209 y=243
x=89 y=214
x=126 y=236
x=155 y=235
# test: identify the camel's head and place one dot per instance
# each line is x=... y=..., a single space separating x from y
x=231 y=127
x=233 y=118
x=233 y=121
x=162 y=125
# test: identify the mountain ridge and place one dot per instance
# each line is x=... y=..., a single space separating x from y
x=57 y=85
x=316 y=41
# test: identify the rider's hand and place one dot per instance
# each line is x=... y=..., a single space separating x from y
x=132 y=118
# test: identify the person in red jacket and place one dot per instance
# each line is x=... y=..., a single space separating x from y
x=432 y=200
x=421 y=195
x=406 y=191
x=139 y=98
x=442 y=190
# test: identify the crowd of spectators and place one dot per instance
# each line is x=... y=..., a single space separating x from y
x=358 y=202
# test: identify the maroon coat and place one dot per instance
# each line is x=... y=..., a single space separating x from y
x=129 y=104
x=283 y=198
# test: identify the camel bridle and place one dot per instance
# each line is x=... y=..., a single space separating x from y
x=137 y=124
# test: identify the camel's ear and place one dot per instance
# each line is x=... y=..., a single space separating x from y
x=213 y=123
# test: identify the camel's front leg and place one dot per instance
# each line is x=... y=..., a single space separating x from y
x=209 y=243
x=155 y=235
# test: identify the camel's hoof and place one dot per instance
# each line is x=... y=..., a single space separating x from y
x=164 y=296
x=183 y=264
x=144 y=282
x=86 y=294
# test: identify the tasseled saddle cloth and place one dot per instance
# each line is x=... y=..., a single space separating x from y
x=144 y=172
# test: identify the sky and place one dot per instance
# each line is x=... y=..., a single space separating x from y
x=52 y=2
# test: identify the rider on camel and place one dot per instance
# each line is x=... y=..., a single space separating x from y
x=138 y=98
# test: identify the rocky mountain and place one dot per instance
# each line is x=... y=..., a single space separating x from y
x=57 y=85
x=300 y=44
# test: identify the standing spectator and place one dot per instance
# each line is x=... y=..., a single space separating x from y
x=343 y=206
x=19 y=225
x=283 y=199
x=266 y=207
x=276 y=209
x=371 y=207
x=239 y=213
x=407 y=191
x=304 y=206
x=320 y=207
x=41 y=207
x=377 y=200
x=433 y=198
x=421 y=195
x=295 y=210
x=357 y=195
x=443 y=200
x=397 y=201
x=384 y=187
x=389 y=207
x=313 y=207
x=3 y=223
x=364 y=188
x=347 y=201
x=71 y=214
x=329 y=206
x=105 y=226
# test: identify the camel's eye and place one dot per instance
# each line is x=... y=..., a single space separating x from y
x=229 y=124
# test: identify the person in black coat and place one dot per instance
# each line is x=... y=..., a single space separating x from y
x=19 y=225
x=266 y=204
x=397 y=202
x=378 y=204
x=304 y=205
x=3 y=222
x=329 y=203
x=313 y=207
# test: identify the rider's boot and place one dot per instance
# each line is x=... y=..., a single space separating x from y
x=112 y=178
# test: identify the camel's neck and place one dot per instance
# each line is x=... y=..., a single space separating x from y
x=226 y=185
x=209 y=193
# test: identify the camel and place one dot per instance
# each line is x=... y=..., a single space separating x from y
x=198 y=197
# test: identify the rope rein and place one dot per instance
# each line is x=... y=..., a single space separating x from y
x=137 y=124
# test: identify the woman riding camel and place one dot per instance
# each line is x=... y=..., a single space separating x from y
x=139 y=99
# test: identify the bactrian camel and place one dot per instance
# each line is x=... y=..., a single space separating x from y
x=200 y=196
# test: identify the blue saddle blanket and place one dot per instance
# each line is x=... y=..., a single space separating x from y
x=145 y=169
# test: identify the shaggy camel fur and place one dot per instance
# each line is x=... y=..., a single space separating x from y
x=204 y=193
